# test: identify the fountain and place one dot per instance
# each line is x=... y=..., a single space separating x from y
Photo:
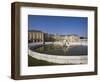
x=60 y=52
x=65 y=43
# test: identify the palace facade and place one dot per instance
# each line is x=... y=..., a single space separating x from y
x=72 y=38
x=39 y=36
x=69 y=38
x=35 y=36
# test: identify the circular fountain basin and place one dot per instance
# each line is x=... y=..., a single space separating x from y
x=55 y=53
x=51 y=49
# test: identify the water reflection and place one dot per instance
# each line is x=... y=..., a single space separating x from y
x=61 y=50
x=65 y=49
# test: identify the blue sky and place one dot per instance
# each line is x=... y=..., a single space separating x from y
x=59 y=24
